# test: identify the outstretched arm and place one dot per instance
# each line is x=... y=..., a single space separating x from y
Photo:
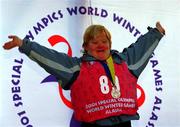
x=58 y=64
x=138 y=54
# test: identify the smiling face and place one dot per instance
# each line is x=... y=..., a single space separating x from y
x=99 y=47
x=97 y=42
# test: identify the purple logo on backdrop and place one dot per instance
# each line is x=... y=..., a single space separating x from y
x=55 y=17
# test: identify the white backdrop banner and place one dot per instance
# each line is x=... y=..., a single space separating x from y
x=30 y=97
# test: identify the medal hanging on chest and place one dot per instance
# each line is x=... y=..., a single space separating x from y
x=115 y=92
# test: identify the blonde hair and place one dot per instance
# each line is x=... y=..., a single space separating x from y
x=92 y=31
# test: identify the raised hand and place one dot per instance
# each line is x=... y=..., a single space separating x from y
x=15 y=42
x=160 y=28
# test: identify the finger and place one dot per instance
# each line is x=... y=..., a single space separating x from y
x=158 y=24
x=8 y=45
x=11 y=36
x=160 y=28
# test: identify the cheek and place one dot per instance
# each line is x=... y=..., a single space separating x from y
x=105 y=47
x=90 y=49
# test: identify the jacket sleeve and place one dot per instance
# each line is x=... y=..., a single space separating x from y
x=58 y=64
x=138 y=54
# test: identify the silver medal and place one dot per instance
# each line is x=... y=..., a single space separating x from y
x=115 y=92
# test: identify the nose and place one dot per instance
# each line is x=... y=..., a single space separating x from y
x=101 y=44
x=102 y=47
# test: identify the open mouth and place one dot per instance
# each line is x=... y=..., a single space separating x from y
x=100 y=51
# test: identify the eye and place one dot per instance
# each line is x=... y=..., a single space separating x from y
x=105 y=41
